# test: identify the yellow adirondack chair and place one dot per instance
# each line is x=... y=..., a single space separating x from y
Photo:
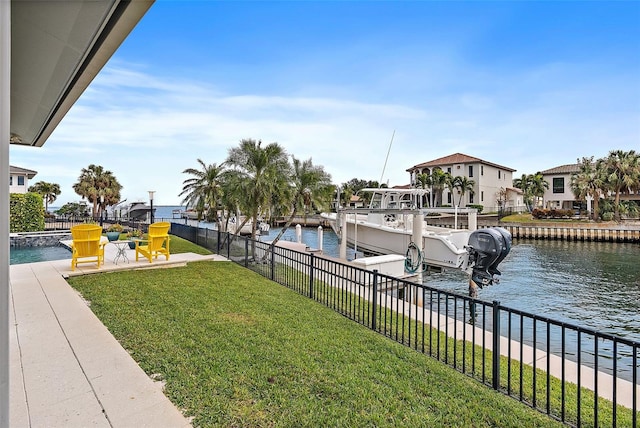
x=87 y=246
x=157 y=242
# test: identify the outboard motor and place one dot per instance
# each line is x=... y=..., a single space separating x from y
x=487 y=248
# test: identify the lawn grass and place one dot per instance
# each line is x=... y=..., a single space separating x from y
x=517 y=379
x=528 y=218
x=236 y=349
x=179 y=245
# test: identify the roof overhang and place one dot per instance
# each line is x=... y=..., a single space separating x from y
x=57 y=48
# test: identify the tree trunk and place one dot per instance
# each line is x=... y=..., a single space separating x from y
x=286 y=226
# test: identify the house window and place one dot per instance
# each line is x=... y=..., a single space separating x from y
x=449 y=170
x=558 y=185
x=11 y=180
x=21 y=180
x=470 y=170
x=481 y=169
x=499 y=174
x=482 y=196
x=449 y=198
x=470 y=198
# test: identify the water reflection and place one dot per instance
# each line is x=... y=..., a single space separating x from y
x=590 y=284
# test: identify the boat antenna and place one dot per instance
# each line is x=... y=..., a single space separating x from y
x=387 y=158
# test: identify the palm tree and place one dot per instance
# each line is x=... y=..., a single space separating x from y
x=538 y=185
x=622 y=174
x=589 y=181
x=311 y=188
x=204 y=189
x=48 y=191
x=532 y=186
x=450 y=185
x=259 y=171
x=439 y=180
x=424 y=181
x=233 y=196
x=97 y=184
x=464 y=185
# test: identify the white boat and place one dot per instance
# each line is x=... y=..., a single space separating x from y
x=262 y=228
x=387 y=227
x=137 y=211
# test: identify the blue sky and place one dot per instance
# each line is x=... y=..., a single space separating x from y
x=528 y=85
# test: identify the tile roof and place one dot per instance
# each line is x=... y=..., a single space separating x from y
x=457 y=158
x=562 y=169
x=17 y=170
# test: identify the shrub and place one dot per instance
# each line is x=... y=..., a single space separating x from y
x=134 y=233
x=26 y=212
x=476 y=206
x=552 y=213
x=538 y=213
x=608 y=216
x=115 y=228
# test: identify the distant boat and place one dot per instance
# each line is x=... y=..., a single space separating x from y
x=189 y=214
x=137 y=211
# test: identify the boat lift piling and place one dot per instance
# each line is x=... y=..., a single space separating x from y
x=343 y=236
x=418 y=225
x=298 y=234
x=320 y=238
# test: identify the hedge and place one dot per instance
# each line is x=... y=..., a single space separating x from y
x=26 y=212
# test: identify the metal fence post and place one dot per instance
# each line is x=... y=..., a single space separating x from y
x=218 y=243
x=374 y=300
x=311 y=276
x=246 y=252
x=496 y=346
x=273 y=263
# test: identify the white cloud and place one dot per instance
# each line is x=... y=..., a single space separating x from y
x=147 y=129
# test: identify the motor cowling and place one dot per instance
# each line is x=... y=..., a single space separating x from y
x=487 y=248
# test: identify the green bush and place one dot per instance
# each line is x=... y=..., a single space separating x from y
x=476 y=206
x=26 y=212
x=608 y=216
x=552 y=213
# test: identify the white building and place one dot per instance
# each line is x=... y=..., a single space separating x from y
x=559 y=194
x=491 y=180
x=19 y=179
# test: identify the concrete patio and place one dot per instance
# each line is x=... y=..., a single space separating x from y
x=66 y=369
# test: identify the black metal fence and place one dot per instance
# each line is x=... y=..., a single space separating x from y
x=67 y=222
x=576 y=375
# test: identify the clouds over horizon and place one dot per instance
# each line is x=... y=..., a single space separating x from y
x=147 y=126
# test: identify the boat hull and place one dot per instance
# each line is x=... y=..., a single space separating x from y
x=440 y=247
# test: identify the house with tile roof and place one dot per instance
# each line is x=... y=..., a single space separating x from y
x=493 y=183
x=19 y=179
x=559 y=194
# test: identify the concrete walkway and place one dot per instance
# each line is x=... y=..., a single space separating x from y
x=66 y=369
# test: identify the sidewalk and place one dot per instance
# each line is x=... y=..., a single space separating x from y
x=66 y=369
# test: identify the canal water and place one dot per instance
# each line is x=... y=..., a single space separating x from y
x=589 y=284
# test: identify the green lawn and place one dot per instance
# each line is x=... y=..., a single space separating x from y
x=236 y=349
x=179 y=245
x=528 y=218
